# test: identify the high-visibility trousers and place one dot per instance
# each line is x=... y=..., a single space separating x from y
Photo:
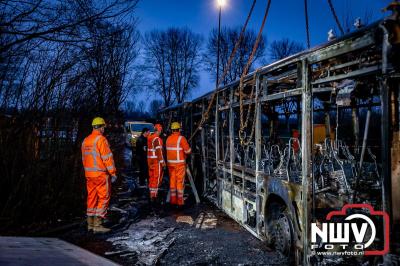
x=155 y=178
x=99 y=193
x=177 y=183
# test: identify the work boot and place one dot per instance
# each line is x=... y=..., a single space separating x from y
x=98 y=226
x=90 y=223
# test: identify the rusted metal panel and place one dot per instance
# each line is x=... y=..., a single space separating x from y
x=306 y=142
x=231 y=144
x=343 y=47
x=360 y=72
x=259 y=179
x=282 y=95
x=395 y=180
x=204 y=158
x=395 y=152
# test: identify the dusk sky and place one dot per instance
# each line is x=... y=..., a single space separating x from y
x=285 y=20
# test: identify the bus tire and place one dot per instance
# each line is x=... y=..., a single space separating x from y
x=282 y=236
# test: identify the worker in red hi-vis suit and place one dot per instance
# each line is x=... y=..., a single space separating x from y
x=155 y=161
x=177 y=149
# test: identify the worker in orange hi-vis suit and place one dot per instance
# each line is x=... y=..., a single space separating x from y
x=99 y=165
x=177 y=150
x=155 y=161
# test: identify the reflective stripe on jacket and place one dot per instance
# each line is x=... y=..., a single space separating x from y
x=97 y=157
x=154 y=149
x=177 y=148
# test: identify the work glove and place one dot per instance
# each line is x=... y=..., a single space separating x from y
x=113 y=178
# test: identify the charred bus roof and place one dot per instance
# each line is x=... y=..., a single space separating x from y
x=363 y=37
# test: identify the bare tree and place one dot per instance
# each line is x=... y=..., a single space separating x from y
x=53 y=20
x=284 y=48
x=155 y=106
x=141 y=106
x=172 y=60
x=32 y=30
x=129 y=107
x=228 y=39
x=105 y=63
x=61 y=64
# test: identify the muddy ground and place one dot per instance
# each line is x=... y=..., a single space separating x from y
x=144 y=235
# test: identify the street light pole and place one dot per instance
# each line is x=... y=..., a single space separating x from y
x=218 y=43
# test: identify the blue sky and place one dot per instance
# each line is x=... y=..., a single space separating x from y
x=285 y=20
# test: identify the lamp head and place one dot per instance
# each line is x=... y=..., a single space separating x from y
x=221 y=3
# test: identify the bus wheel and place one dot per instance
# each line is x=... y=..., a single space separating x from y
x=282 y=234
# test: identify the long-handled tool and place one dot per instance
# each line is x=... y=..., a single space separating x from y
x=364 y=146
x=190 y=177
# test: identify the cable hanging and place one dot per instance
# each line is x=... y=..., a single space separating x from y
x=228 y=65
x=243 y=124
x=307 y=25
x=335 y=16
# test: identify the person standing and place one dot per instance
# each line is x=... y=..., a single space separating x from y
x=141 y=156
x=98 y=163
x=155 y=160
x=177 y=150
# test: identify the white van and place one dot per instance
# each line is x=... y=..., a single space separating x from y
x=133 y=129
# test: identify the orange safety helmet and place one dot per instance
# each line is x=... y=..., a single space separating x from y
x=158 y=127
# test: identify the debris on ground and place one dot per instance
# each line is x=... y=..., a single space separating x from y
x=198 y=234
x=206 y=221
x=214 y=239
x=146 y=240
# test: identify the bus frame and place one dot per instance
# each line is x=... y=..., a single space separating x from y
x=279 y=206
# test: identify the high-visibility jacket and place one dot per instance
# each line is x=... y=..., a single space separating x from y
x=177 y=149
x=97 y=157
x=154 y=149
x=155 y=160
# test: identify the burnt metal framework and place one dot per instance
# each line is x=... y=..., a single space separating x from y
x=326 y=133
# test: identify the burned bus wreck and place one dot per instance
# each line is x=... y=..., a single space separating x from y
x=302 y=137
